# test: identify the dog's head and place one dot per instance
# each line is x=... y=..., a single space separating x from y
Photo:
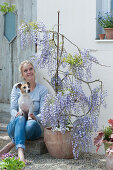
x=24 y=88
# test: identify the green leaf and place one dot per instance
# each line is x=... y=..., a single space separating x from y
x=6 y=8
x=107 y=133
x=12 y=163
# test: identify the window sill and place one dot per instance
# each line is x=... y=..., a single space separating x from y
x=105 y=40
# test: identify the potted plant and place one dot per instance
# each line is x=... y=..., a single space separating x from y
x=71 y=108
x=105 y=20
x=5 y=7
x=10 y=161
x=105 y=136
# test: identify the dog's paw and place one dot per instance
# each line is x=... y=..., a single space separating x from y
x=29 y=118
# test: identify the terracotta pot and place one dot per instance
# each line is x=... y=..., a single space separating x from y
x=109 y=33
x=101 y=36
x=59 y=145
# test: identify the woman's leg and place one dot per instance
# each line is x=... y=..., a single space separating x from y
x=7 y=148
x=19 y=133
x=21 y=154
x=32 y=130
x=19 y=136
x=11 y=129
x=10 y=145
x=16 y=131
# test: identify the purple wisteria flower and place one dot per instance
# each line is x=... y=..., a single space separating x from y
x=78 y=98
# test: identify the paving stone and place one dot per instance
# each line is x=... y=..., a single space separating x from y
x=3 y=127
x=4 y=117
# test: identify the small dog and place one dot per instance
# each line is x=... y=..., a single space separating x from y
x=25 y=102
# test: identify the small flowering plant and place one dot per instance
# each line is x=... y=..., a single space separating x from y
x=105 y=20
x=11 y=162
x=71 y=106
x=105 y=135
x=5 y=7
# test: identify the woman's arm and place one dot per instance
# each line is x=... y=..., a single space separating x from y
x=14 y=101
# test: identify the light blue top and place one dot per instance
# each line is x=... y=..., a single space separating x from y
x=37 y=95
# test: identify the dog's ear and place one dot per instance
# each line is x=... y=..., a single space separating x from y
x=28 y=84
x=18 y=85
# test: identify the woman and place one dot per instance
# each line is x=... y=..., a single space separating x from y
x=19 y=129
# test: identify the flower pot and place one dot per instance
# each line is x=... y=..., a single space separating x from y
x=109 y=33
x=101 y=36
x=59 y=145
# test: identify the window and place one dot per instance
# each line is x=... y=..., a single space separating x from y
x=102 y=6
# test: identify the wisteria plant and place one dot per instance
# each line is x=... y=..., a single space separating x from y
x=69 y=76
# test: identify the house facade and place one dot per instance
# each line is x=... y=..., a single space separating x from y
x=77 y=23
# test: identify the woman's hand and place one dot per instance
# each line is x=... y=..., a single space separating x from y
x=32 y=116
x=18 y=114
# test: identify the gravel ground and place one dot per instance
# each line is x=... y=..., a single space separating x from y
x=85 y=162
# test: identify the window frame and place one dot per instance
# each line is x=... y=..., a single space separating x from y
x=102 y=6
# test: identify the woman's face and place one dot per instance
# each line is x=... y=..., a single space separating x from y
x=28 y=72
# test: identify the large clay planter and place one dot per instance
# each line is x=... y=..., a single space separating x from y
x=59 y=145
x=109 y=33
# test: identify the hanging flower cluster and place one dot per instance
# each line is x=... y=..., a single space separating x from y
x=81 y=133
x=77 y=98
x=34 y=33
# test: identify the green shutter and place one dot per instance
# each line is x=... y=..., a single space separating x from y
x=10 y=26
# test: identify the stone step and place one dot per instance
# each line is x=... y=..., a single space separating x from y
x=4 y=107
x=4 y=117
x=35 y=147
x=3 y=127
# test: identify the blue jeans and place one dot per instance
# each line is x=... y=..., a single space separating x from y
x=20 y=130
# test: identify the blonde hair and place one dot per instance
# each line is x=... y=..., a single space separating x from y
x=22 y=63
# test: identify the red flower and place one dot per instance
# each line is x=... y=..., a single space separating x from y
x=110 y=121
